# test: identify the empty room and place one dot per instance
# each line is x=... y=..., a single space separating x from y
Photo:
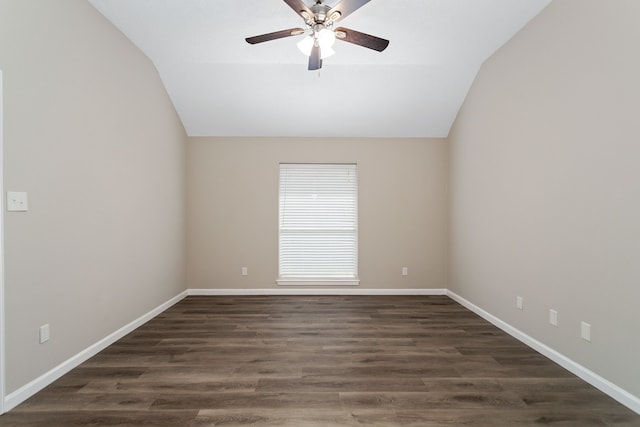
x=320 y=213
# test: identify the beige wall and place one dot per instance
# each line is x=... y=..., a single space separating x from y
x=545 y=184
x=92 y=137
x=233 y=208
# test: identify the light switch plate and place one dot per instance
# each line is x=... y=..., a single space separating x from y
x=17 y=201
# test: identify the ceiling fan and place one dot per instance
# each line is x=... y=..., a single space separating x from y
x=320 y=33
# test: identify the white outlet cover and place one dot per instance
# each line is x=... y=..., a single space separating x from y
x=519 y=303
x=17 y=201
x=585 y=331
x=44 y=333
x=553 y=317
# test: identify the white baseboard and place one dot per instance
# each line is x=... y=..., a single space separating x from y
x=23 y=393
x=315 y=291
x=629 y=400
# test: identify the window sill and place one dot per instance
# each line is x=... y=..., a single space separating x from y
x=317 y=282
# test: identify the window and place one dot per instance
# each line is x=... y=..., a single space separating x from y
x=318 y=224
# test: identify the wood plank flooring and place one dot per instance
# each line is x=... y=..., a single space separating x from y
x=319 y=361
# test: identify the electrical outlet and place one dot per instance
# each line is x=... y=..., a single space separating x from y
x=519 y=303
x=17 y=201
x=245 y=271
x=405 y=271
x=585 y=331
x=44 y=333
x=553 y=317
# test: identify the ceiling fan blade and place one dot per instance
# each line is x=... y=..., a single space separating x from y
x=361 y=39
x=298 y=6
x=315 y=61
x=346 y=7
x=275 y=35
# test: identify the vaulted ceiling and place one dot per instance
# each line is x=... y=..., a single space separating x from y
x=222 y=86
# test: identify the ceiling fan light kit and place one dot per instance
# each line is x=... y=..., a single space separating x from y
x=324 y=38
x=320 y=36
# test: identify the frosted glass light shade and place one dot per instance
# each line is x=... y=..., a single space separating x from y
x=305 y=45
x=326 y=52
x=326 y=38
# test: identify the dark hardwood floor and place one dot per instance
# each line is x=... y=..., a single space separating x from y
x=319 y=361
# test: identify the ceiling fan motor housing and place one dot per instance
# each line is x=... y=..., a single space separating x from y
x=320 y=11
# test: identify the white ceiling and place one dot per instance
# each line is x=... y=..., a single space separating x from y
x=222 y=86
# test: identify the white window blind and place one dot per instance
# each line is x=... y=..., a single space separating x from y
x=318 y=224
